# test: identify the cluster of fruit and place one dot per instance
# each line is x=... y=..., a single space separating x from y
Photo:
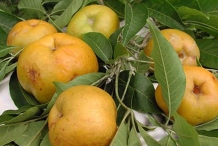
x=200 y=102
x=48 y=56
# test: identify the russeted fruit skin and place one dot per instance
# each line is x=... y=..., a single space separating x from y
x=26 y=32
x=93 y=18
x=57 y=57
x=200 y=101
x=82 y=115
x=184 y=45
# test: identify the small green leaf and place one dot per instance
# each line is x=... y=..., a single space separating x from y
x=32 y=135
x=120 y=50
x=45 y=141
x=10 y=133
x=168 y=70
x=209 y=53
x=209 y=126
x=100 y=45
x=207 y=141
x=135 y=20
x=133 y=139
x=140 y=93
x=186 y=132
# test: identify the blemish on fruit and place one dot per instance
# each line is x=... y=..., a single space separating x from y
x=196 y=90
x=33 y=74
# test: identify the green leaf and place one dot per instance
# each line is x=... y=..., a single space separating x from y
x=133 y=139
x=140 y=93
x=209 y=53
x=188 y=3
x=100 y=45
x=72 y=7
x=120 y=50
x=157 y=10
x=10 y=133
x=86 y=79
x=141 y=67
x=207 y=141
x=135 y=20
x=15 y=92
x=168 y=70
x=149 y=140
x=9 y=21
x=121 y=136
x=34 y=7
x=209 y=126
x=45 y=141
x=116 y=6
x=186 y=132
x=32 y=135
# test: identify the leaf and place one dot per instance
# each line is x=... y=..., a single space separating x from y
x=121 y=136
x=135 y=19
x=45 y=141
x=141 y=67
x=28 y=114
x=209 y=53
x=9 y=21
x=207 y=141
x=149 y=140
x=35 y=7
x=10 y=133
x=100 y=45
x=157 y=10
x=133 y=139
x=140 y=93
x=119 y=51
x=168 y=70
x=209 y=126
x=186 y=132
x=63 y=19
x=15 y=92
x=31 y=137
x=194 y=4
x=116 y=6
x=200 y=20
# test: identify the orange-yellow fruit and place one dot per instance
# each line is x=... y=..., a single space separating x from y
x=83 y=115
x=200 y=100
x=57 y=57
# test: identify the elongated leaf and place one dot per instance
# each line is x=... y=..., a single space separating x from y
x=188 y=3
x=157 y=10
x=168 y=70
x=186 y=133
x=121 y=137
x=45 y=141
x=63 y=19
x=207 y=141
x=100 y=45
x=34 y=7
x=135 y=19
x=15 y=92
x=31 y=112
x=9 y=21
x=140 y=93
x=10 y=133
x=87 y=79
x=209 y=126
x=209 y=53
x=147 y=138
x=133 y=139
x=32 y=136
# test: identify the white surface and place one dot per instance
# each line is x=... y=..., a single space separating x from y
x=6 y=102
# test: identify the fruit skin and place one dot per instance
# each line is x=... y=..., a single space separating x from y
x=93 y=18
x=184 y=45
x=82 y=115
x=56 y=57
x=25 y=32
x=200 y=100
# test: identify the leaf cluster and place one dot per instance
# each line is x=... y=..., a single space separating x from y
x=124 y=69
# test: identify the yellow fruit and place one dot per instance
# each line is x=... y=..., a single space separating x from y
x=25 y=32
x=57 y=57
x=200 y=100
x=184 y=45
x=82 y=115
x=93 y=18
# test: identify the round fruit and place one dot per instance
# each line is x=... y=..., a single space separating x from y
x=200 y=100
x=82 y=115
x=57 y=57
x=184 y=45
x=93 y=18
x=25 y=32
